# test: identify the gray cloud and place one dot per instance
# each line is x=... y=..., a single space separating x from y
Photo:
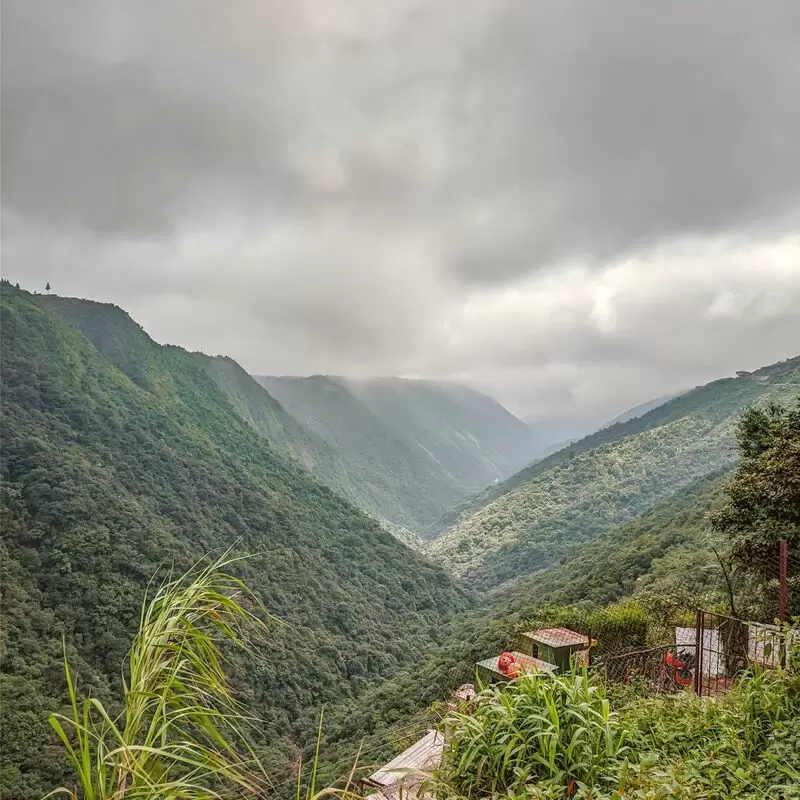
x=360 y=187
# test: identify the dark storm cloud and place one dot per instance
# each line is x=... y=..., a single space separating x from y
x=592 y=127
x=350 y=186
x=126 y=116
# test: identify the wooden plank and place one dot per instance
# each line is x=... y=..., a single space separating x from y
x=422 y=755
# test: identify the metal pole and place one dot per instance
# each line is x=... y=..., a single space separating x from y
x=698 y=661
x=783 y=580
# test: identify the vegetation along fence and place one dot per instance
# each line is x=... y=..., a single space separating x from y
x=707 y=657
x=711 y=654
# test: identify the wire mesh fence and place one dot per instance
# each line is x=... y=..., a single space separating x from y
x=664 y=669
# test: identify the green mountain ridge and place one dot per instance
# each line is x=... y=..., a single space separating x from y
x=127 y=346
x=122 y=461
x=531 y=519
x=371 y=482
x=433 y=443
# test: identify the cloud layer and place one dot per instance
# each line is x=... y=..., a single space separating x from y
x=575 y=205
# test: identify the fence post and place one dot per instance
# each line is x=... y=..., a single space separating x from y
x=783 y=582
x=698 y=660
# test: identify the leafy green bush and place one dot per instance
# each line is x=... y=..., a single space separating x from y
x=745 y=744
x=550 y=739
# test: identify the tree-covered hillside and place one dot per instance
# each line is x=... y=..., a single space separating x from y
x=125 y=344
x=429 y=444
x=573 y=495
x=121 y=462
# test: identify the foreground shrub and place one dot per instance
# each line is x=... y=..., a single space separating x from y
x=555 y=733
x=554 y=739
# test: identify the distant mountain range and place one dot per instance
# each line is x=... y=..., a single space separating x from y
x=423 y=445
x=573 y=495
x=641 y=409
x=558 y=432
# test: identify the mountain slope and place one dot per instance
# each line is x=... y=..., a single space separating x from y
x=431 y=444
x=108 y=478
x=602 y=480
x=126 y=345
x=665 y=550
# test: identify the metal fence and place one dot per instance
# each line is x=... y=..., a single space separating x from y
x=707 y=658
x=727 y=646
x=655 y=670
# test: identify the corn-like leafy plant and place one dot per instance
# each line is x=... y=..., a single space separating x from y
x=551 y=739
x=181 y=734
x=557 y=732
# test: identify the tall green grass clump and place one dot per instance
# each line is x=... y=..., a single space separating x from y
x=181 y=734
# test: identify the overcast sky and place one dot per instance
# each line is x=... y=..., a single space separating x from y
x=576 y=206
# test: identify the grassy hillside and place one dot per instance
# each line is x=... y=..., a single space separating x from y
x=120 y=464
x=428 y=445
x=533 y=518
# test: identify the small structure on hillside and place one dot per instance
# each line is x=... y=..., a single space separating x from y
x=462 y=696
x=558 y=646
x=402 y=777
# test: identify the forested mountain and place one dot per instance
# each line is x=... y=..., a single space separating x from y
x=122 y=459
x=573 y=495
x=429 y=444
x=128 y=346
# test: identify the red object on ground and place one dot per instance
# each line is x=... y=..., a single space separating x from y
x=504 y=661
x=672 y=660
x=515 y=670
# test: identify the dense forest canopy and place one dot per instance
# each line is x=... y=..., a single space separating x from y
x=118 y=465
